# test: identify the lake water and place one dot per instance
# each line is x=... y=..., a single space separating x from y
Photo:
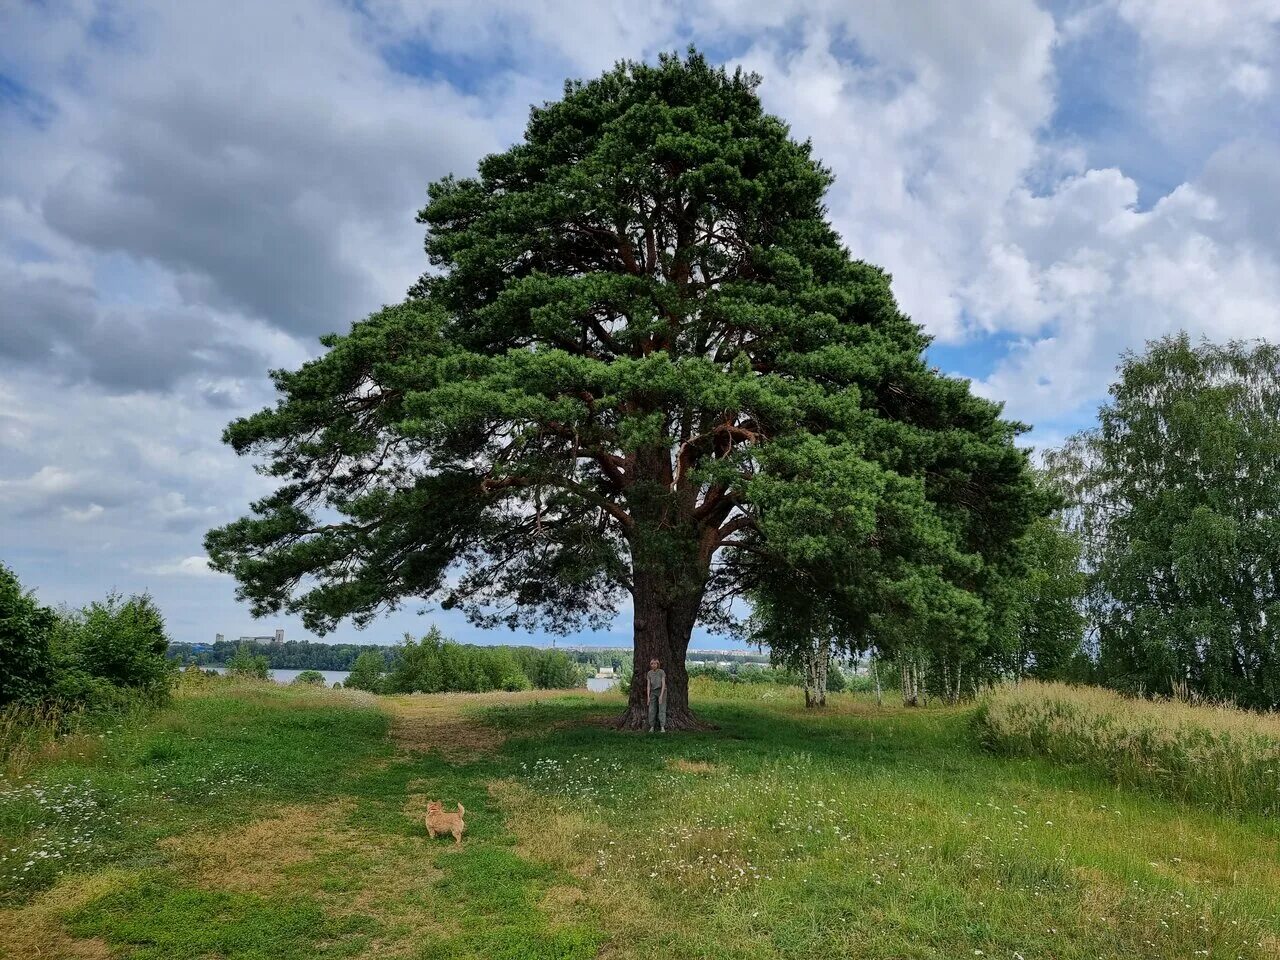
x=596 y=684
x=288 y=676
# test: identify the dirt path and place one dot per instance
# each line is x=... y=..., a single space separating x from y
x=452 y=725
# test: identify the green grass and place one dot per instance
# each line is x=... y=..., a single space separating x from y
x=280 y=823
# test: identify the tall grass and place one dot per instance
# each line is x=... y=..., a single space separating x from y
x=51 y=729
x=1218 y=757
x=29 y=731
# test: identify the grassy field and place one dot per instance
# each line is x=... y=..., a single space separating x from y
x=263 y=822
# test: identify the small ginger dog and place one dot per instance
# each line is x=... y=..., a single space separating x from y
x=440 y=822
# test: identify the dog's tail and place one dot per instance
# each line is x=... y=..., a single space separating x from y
x=461 y=809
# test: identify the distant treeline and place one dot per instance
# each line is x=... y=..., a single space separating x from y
x=290 y=655
x=310 y=655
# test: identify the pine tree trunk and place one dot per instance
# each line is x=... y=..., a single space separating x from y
x=662 y=626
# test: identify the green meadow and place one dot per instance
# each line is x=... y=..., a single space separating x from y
x=252 y=821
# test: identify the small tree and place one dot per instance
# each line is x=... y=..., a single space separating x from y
x=309 y=678
x=118 y=641
x=549 y=669
x=248 y=665
x=1046 y=603
x=837 y=682
x=505 y=672
x=366 y=672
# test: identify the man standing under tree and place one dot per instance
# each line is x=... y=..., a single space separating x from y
x=655 y=683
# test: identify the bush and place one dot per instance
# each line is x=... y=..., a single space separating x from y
x=26 y=664
x=438 y=665
x=549 y=669
x=366 y=672
x=750 y=675
x=117 y=641
x=309 y=678
x=248 y=665
x=859 y=683
x=96 y=695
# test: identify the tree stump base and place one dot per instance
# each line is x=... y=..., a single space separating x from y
x=636 y=719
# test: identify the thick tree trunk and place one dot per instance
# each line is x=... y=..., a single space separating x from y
x=663 y=625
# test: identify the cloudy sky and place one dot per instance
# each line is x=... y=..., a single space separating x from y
x=191 y=193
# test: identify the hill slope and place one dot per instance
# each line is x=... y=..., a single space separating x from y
x=264 y=822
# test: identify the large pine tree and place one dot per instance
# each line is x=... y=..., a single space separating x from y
x=640 y=349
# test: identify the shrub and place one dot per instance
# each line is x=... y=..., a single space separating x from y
x=1213 y=756
x=504 y=672
x=750 y=675
x=309 y=678
x=549 y=669
x=859 y=683
x=248 y=665
x=26 y=665
x=117 y=641
x=95 y=694
x=366 y=672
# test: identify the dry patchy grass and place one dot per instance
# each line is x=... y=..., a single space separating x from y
x=257 y=857
x=694 y=766
x=35 y=931
x=440 y=722
x=320 y=851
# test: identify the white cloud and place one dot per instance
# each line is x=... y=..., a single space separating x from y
x=1204 y=56
x=186 y=567
x=928 y=131
x=91 y=512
